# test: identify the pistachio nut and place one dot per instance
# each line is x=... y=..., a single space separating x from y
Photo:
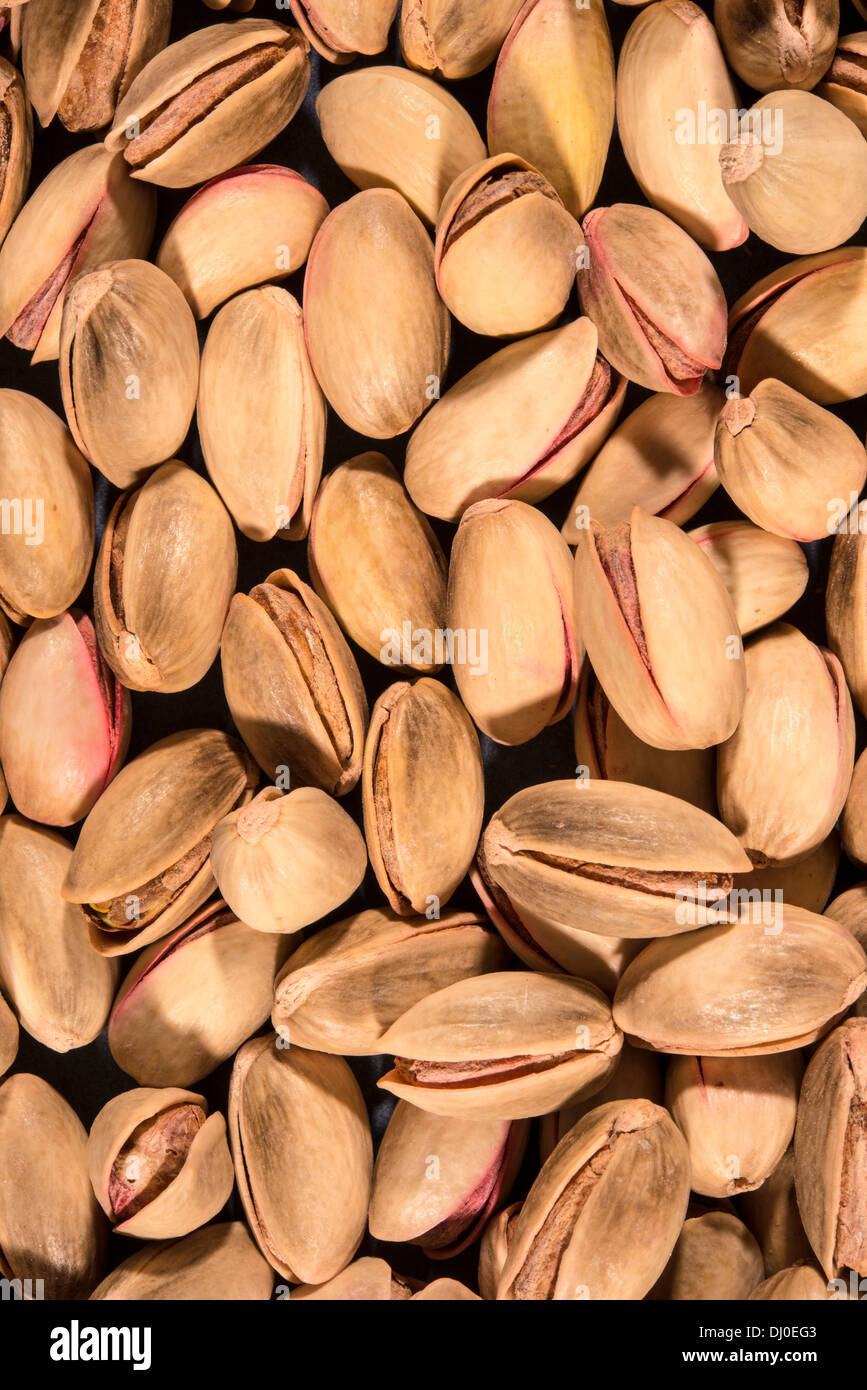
x=165 y=573
x=505 y=1046
x=378 y=565
x=49 y=1230
x=638 y=1076
x=604 y=1213
x=210 y=101
x=659 y=458
x=771 y=1212
x=60 y=988
x=783 y=776
x=293 y=686
x=764 y=574
x=159 y=1164
x=800 y=1283
x=772 y=44
x=853 y=822
x=341 y=32
x=831 y=1150
x=510 y=601
x=377 y=332
x=7 y=645
x=420 y=849
x=844 y=83
x=653 y=611
x=282 y=862
x=342 y=988
x=671 y=68
x=520 y=424
x=664 y=332
x=506 y=248
x=737 y=1115
x=454 y=38
x=140 y=866
x=243 y=228
x=845 y=596
x=437 y=1179
x=303 y=1157
x=850 y=910
x=79 y=60
x=367 y=1280
x=190 y=1001
x=47 y=547
x=16 y=141
x=8 y=1036
x=808 y=883
x=552 y=96
x=715 y=1257
x=216 y=1263
x=377 y=124
x=697 y=993
x=445 y=1291
x=85 y=212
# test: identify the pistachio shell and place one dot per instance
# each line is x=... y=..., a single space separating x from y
x=845 y=598
x=217 y=1263
x=844 y=83
x=445 y=1291
x=850 y=910
x=764 y=574
x=494 y=1247
x=8 y=1036
x=771 y=44
x=715 y=1258
x=801 y=1283
x=16 y=123
x=366 y=1280
x=852 y=822
x=454 y=38
x=638 y=1075
x=771 y=1212
x=339 y=31
x=807 y=884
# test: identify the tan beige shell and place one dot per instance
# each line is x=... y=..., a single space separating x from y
x=282 y=862
x=46 y=543
x=454 y=38
x=493 y=1248
x=552 y=96
x=807 y=884
x=85 y=211
x=189 y=1002
x=637 y=1076
x=217 y=1263
x=715 y=1257
x=293 y=686
x=845 y=598
x=242 y=228
x=7 y=645
x=771 y=1212
x=210 y=101
x=378 y=565
x=159 y=1165
x=445 y=1291
x=852 y=821
x=421 y=843
x=671 y=68
x=340 y=32
x=49 y=1230
x=368 y=1280
x=844 y=83
x=771 y=44
x=15 y=156
x=697 y=993
x=165 y=573
x=800 y=1283
x=610 y=1201
x=850 y=910
x=510 y=602
x=303 y=1157
x=8 y=1036
x=764 y=574
x=777 y=793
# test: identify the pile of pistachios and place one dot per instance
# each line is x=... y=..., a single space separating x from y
x=498 y=1015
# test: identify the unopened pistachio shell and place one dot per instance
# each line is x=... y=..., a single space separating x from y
x=493 y=1248
x=771 y=44
x=367 y=1280
x=216 y=1263
x=844 y=83
x=715 y=1257
x=800 y=1283
x=339 y=31
x=764 y=574
x=454 y=38
x=771 y=1212
x=808 y=883
x=845 y=597
x=15 y=152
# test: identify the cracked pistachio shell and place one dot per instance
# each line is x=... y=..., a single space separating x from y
x=552 y=96
x=846 y=601
x=377 y=331
x=141 y=862
x=437 y=1179
x=52 y=1229
x=85 y=212
x=159 y=1165
x=845 y=82
x=445 y=1291
x=519 y=425
x=608 y=857
x=715 y=1257
x=454 y=38
x=805 y=324
x=783 y=776
x=390 y=128
x=772 y=44
x=505 y=1046
x=510 y=595
x=737 y=1115
x=771 y=1212
x=638 y=1075
x=654 y=297
x=765 y=574
x=340 y=31
x=342 y=988
x=243 y=228
x=807 y=884
x=265 y=464
x=46 y=545
x=211 y=101
x=800 y=1283
x=786 y=462
x=850 y=910
x=165 y=573
x=368 y=1280
x=190 y=1001
x=293 y=686
x=129 y=368
x=420 y=843
x=378 y=565
x=603 y=1216
x=65 y=721
x=8 y=1036
x=494 y=1247
x=853 y=822
x=506 y=248
x=654 y=612
x=697 y=993
x=659 y=458
x=60 y=988
x=79 y=59
x=282 y=862
x=16 y=142
x=217 y=1263
x=831 y=1150
x=671 y=67
x=303 y=1157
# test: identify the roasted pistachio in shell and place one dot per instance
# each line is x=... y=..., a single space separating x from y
x=765 y=574
x=853 y=822
x=454 y=38
x=800 y=1283
x=771 y=44
x=771 y=1212
x=217 y=1263
x=715 y=1257
x=367 y=1280
x=845 y=82
x=341 y=32
x=16 y=123
x=7 y=644
x=845 y=601
x=210 y=101
x=445 y=1291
